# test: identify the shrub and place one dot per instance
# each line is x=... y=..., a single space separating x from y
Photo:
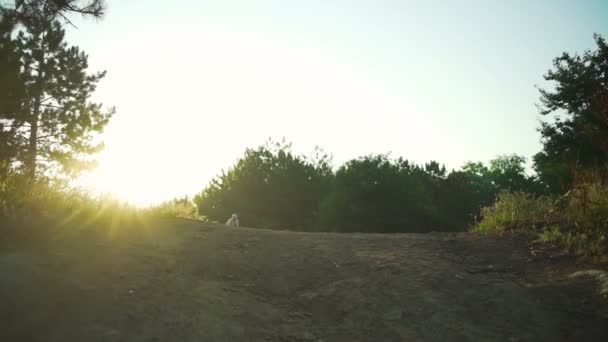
x=576 y=221
x=582 y=215
x=379 y=194
x=515 y=211
x=269 y=187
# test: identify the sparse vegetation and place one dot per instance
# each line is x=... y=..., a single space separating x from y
x=31 y=210
x=178 y=207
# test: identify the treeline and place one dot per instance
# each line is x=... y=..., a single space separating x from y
x=272 y=187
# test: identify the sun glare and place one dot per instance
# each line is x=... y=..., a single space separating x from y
x=119 y=181
x=173 y=134
x=140 y=175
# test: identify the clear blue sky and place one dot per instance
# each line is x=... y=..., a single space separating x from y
x=196 y=82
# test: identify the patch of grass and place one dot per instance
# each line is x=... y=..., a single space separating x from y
x=577 y=243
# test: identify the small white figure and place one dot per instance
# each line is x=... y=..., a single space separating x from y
x=233 y=221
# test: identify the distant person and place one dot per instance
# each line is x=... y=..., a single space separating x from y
x=233 y=221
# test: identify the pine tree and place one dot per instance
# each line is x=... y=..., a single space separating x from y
x=57 y=123
x=60 y=8
x=11 y=89
x=577 y=135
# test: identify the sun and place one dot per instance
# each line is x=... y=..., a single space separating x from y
x=120 y=183
x=135 y=177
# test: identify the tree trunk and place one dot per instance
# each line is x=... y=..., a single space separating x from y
x=32 y=153
x=33 y=143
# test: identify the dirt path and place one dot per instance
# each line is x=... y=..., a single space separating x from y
x=186 y=281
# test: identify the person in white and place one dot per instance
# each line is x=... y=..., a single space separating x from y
x=233 y=221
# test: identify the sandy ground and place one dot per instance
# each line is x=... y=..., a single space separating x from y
x=178 y=280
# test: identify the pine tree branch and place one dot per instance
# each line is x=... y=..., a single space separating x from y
x=48 y=98
x=52 y=106
x=67 y=20
x=44 y=137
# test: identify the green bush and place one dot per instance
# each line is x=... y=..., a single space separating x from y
x=515 y=211
x=582 y=215
x=379 y=194
x=269 y=187
x=576 y=221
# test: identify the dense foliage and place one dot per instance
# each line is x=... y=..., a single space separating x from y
x=377 y=194
x=577 y=137
x=273 y=188
x=269 y=187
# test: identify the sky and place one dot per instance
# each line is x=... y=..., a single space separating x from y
x=196 y=82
